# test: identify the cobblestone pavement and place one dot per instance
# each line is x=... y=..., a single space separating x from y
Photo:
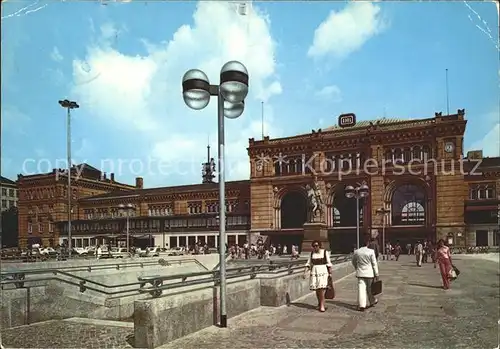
x=413 y=312
x=77 y=333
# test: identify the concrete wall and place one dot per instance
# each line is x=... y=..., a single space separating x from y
x=158 y=321
x=207 y=261
x=14 y=305
x=277 y=291
x=57 y=300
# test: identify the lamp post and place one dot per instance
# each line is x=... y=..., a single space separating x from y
x=383 y=212
x=68 y=105
x=231 y=94
x=358 y=192
x=127 y=209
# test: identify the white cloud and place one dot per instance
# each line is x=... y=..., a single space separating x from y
x=14 y=121
x=344 y=32
x=143 y=93
x=56 y=55
x=490 y=144
x=330 y=93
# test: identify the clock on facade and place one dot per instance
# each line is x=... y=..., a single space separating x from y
x=448 y=147
x=259 y=166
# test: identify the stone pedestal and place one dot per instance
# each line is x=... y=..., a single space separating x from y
x=315 y=231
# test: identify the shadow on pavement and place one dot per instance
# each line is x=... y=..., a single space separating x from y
x=342 y=304
x=424 y=285
x=303 y=305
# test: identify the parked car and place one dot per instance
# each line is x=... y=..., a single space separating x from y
x=80 y=251
x=150 y=252
x=48 y=252
x=177 y=251
x=118 y=252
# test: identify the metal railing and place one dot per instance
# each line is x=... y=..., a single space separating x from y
x=156 y=282
x=475 y=249
x=18 y=277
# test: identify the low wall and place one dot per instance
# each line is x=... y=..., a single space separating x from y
x=16 y=303
x=53 y=299
x=207 y=261
x=158 y=321
x=277 y=291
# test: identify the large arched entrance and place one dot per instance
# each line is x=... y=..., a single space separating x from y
x=293 y=214
x=342 y=234
x=293 y=210
x=409 y=211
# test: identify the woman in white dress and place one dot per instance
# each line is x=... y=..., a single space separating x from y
x=319 y=268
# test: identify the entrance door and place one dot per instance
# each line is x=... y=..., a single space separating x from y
x=481 y=238
x=343 y=241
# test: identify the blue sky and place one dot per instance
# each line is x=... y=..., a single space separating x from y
x=308 y=61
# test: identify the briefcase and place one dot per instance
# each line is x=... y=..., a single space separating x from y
x=330 y=290
x=376 y=287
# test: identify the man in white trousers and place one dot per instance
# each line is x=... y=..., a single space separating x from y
x=419 y=252
x=365 y=263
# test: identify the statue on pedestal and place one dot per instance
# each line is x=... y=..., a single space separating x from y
x=315 y=202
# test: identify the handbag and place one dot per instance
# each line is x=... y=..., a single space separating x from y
x=452 y=274
x=455 y=269
x=330 y=290
x=376 y=287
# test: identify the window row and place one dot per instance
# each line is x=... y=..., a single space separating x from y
x=482 y=191
x=407 y=154
x=157 y=224
x=9 y=192
x=40 y=227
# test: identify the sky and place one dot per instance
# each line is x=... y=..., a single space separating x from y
x=308 y=62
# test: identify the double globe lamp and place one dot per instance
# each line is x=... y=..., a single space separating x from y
x=231 y=93
x=357 y=193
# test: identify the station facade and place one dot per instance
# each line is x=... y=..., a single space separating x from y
x=416 y=170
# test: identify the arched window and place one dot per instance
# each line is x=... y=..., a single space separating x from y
x=346 y=208
x=407 y=154
x=388 y=156
x=293 y=210
x=426 y=152
x=417 y=152
x=408 y=205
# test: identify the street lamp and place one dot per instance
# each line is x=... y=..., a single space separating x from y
x=68 y=105
x=358 y=192
x=383 y=212
x=127 y=209
x=231 y=93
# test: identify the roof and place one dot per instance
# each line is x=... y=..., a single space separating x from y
x=366 y=123
x=5 y=180
x=377 y=125
x=166 y=190
x=490 y=162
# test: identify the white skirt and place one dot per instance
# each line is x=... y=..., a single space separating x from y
x=318 y=278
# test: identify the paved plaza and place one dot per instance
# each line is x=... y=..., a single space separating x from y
x=413 y=312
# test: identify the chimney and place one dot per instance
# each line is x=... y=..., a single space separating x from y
x=112 y=177
x=475 y=154
x=139 y=182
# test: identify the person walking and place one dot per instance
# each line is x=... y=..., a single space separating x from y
x=397 y=251
x=419 y=250
x=319 y=268
x=365 y=263
x=443 y=258
x=408 y=248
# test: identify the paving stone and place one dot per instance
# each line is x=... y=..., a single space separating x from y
x=413 y=313
x=407 y=316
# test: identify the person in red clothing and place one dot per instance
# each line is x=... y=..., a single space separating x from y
x=443 y=258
